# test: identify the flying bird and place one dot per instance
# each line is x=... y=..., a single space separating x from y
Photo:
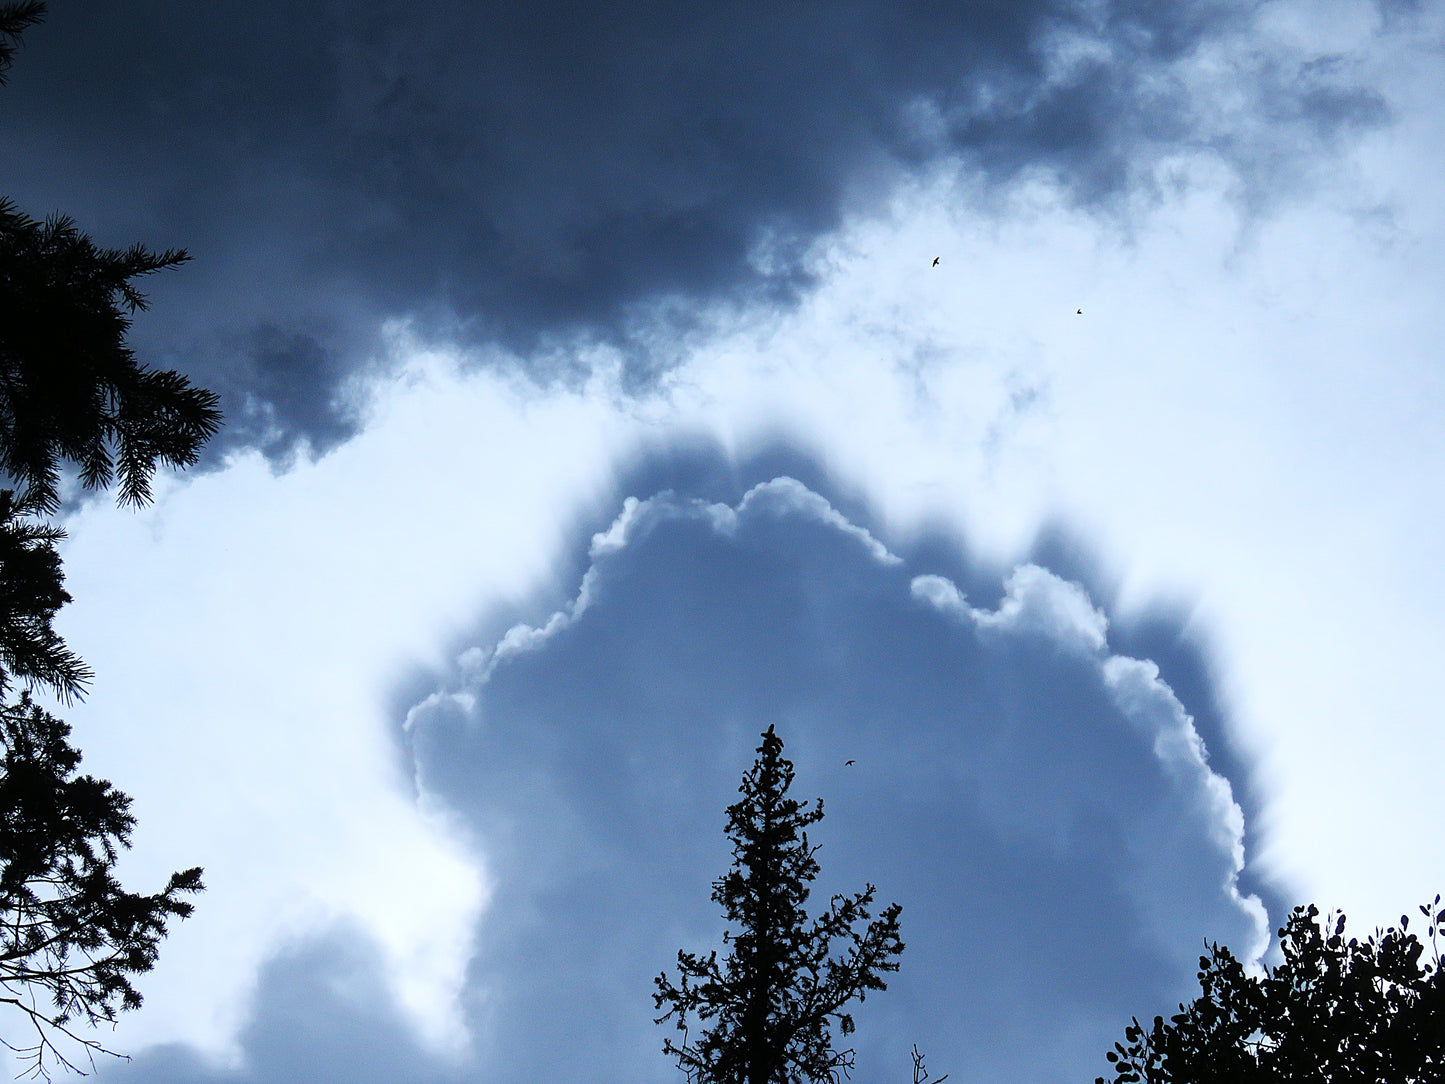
x=936 y=259
x=1078 y=312
x=846 y=763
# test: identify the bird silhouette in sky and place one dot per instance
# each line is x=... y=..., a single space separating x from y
x=846 y=763
x=936 y=259
x=1078 y=312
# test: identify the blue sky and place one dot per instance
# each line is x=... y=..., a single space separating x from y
x=594 y=403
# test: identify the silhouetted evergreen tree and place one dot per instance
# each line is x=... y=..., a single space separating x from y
x=70 y=936
x=768 y=1008
x=70 y=387
x=31 y=591
x=1333 y=1012
x=70 y=390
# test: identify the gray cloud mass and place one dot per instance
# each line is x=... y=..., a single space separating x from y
x=1043 y=805
x=513 y=172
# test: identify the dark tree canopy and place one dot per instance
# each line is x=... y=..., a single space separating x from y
x=71 y=390
x=1333 y=1011
x=31 y=591
x=768 y=1008
x=71 y=937
x=14 y=19
x=70 y=387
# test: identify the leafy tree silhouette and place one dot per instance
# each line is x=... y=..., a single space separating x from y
x=770 y=1005
x=70 y=936
x=1332 y=1010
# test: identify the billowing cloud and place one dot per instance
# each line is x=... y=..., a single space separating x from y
x=1044 y=809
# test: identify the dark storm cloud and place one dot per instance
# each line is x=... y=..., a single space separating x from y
x=517 y=170
x=277 y=405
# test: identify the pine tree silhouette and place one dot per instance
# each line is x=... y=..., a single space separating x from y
x=770 y=1005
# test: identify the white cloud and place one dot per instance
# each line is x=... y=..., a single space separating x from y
x=1035 y=601
x=246 y=631
x=942 y=594
x=1146 y=700
x=784 y=496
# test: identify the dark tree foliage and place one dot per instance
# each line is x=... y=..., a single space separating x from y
x=31 y=592
x=71 y=390
x=1333 y=1012
x=770 y=1005
x=14 y=19
x=70 y=936
x=70 y=387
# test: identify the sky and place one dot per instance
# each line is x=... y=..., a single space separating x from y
x=1035 y=403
